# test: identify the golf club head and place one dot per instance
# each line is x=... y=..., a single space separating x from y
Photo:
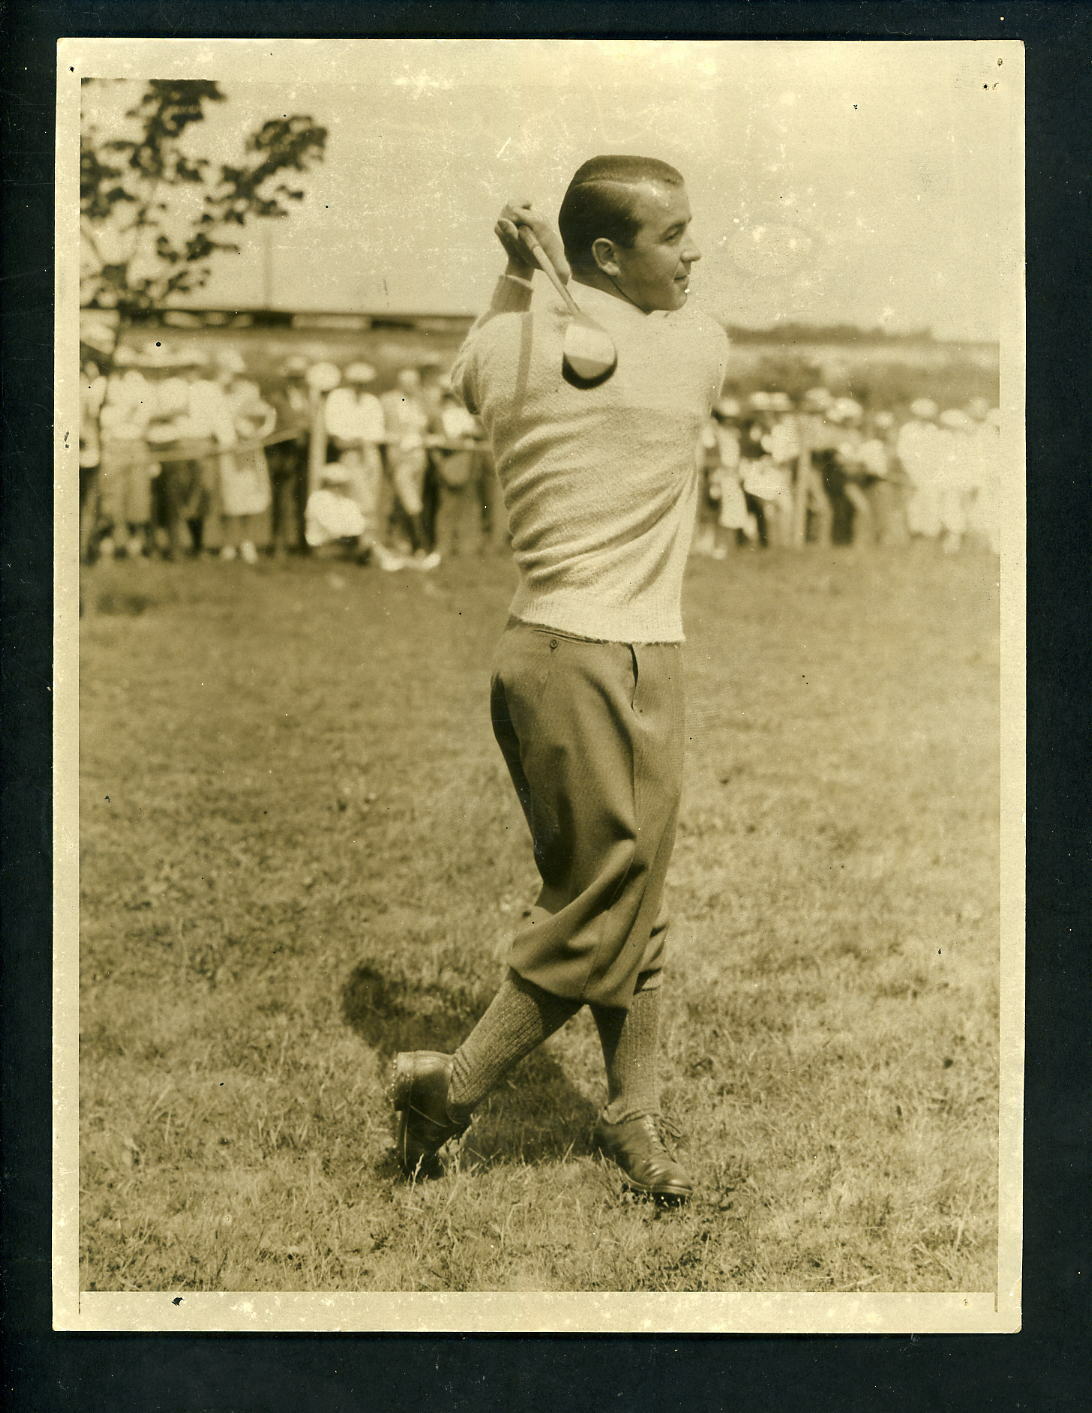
x=575 y=380
x=588 y=354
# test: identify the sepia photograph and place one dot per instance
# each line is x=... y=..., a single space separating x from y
x=539 y=573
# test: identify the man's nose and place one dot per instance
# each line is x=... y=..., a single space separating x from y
x=691 y=252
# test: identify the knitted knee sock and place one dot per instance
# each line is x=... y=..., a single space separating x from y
x=630 y=1041
x=520 y=1017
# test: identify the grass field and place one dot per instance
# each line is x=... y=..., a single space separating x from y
x=300 y=853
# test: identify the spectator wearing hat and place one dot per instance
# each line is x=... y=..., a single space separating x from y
x=769 y=451
x=782 y=445
x=334 y=524
x=245 y=493
x=844 y=476
x=167 y=435
x=456 y=444
x=919 y=449
x=407 y=420
x=209 y=422
x=188 y=417
x=866 y=457
x=125 y=497
x=356 y=430
x=818 y=439
x=752 y=429
x=882 y=478
x=287 y=458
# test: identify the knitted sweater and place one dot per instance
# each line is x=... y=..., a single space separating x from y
x=600 y=484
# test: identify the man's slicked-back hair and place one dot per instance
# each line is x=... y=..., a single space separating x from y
x=601 y=199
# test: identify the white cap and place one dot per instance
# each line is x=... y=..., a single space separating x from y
x=359 y=373
x=335 y=475
x=923 y=407
x=323 y=376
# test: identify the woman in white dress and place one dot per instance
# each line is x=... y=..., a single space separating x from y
x=245 y=493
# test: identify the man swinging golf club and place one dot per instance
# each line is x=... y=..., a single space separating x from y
x=600 y=479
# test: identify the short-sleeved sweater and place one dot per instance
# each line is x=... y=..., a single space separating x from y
x=601 y=483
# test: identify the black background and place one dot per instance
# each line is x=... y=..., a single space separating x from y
x=1039 y=1369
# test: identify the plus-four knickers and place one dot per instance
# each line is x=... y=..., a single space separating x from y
x=592 y=734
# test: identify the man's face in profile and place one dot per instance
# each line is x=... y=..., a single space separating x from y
x=654 y=272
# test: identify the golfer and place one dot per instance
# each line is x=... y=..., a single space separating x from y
x=601 y=488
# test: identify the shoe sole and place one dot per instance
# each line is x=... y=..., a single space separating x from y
x=665 y=1197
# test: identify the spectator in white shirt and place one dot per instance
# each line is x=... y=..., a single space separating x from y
x=356 y=429
x=189 y=417
x=124 y=468
x=919 y=449
x=407 y=420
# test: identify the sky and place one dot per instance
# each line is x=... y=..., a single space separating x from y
x=849 y=182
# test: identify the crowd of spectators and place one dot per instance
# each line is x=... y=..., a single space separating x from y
x=186 y=452
x=183 y=452
x=824 y=469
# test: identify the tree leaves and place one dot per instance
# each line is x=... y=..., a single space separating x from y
x=134 y=171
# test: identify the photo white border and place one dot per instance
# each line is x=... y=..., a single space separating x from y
x=997 y=1311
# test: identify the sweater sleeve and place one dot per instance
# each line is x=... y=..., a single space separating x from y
x=509 y=297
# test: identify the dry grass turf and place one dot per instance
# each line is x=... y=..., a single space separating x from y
x=300 y=854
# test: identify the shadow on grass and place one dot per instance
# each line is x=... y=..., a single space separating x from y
x=536 y=1115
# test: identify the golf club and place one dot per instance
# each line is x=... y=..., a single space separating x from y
x=588 y=354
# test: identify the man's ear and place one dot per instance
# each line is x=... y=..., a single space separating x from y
x=604 y=256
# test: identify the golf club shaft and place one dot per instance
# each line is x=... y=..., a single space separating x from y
x=546 y=265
